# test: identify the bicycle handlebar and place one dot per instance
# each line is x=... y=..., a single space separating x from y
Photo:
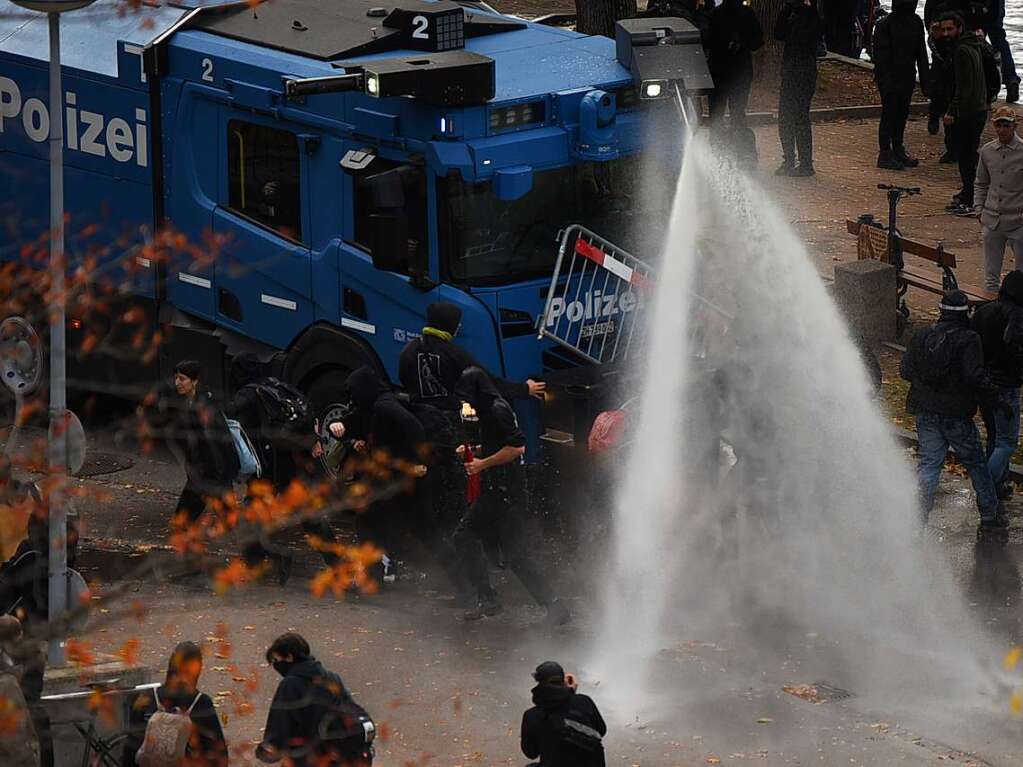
x=908 y=190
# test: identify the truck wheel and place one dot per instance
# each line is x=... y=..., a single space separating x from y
x=330 y=399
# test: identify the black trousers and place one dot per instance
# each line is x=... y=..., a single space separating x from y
x=966 y=136
x=891 y=130
x=192 y=501
x=500 y=507
x=794 y=128
x=732 y=92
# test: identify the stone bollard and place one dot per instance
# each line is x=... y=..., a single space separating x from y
x=865 y=292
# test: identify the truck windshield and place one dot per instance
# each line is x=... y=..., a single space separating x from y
x=489 y=241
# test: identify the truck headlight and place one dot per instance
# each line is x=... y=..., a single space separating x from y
x=654 y=89
x=372 y=85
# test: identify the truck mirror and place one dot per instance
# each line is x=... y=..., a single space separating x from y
x=389 y=232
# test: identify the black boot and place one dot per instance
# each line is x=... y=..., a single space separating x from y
x=487 y=606
x=933 y=124
x=1011 y=93
x=787 y=168
x=902 y=156
x=804 y=170
x=888 y=161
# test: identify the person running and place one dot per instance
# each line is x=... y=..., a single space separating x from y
x=944 y=365
x=564 y=728
x=1000 y=326
x=204 y=445
x=799 y=27
x=313 y=720
x=179 y=693
x=501 y=504
x=968 y=106
x=900 y=53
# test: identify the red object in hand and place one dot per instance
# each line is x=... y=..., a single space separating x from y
x=474 y=487
x=606 y=432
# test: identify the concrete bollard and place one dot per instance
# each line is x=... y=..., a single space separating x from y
x=865 y=291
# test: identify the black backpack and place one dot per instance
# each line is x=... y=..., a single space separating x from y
x=580 y=743
x=288 y=418
x=936 y=358
x=992 y=71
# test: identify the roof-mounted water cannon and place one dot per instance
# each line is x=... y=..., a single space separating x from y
x=666 y=59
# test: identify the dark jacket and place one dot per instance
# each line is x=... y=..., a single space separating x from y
x=952 y=389
x=207 y=745
x=429 y=369
x=390 y=425
x=734 y=34
x=307 y=697
x=799 y=27
x=900 y=49
x=205 y=445
x=499 y=426
x=541 y=725
x=969 y=84
x=1000 y=326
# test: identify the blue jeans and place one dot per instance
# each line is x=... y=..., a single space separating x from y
x=937 y=433
x=1001 y=421
x=1000 y=44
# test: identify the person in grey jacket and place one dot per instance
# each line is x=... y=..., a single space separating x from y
x=998 y=196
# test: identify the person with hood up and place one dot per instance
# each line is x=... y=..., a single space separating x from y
x=734 y=34
x=1000 y=326
x=967 y=107
x=944 y=365
x=799 y=27
x=281 y=466
x=379 y=422
x=204 y=444
x=501 y=503
x=180 y=692
x=998 y=196
x=564 y=728
x=313 y=720
x=900 y=53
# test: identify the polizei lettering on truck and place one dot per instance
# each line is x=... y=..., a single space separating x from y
x=84 y=131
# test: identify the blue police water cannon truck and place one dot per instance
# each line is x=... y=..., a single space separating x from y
x=320 y=172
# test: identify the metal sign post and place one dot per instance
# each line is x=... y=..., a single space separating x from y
x=58 y=393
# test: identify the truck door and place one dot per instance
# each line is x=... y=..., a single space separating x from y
x=263 y=272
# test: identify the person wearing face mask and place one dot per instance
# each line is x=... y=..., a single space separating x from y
x=900 y=53
x=313 y=720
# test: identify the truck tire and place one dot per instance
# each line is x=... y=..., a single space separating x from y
x=330 y=399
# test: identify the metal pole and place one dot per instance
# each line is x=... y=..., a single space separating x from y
x=58 y=397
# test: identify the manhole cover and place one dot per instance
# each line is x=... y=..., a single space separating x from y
x=104 y=463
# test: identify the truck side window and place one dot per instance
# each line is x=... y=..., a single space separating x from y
x=413 y=186
x=263 y=170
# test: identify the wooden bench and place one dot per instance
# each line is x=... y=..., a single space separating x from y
x=872 y=243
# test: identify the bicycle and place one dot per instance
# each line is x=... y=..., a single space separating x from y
x=101 y=750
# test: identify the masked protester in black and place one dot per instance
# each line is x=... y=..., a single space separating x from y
x=502 y=501
x=555 y=700
x=313 y=720
x=735 y=33
x=281 y=466
x=799 y=27
x=900 y=53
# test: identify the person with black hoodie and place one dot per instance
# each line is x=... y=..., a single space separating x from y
x=799 y=27
x=900 y=53
x=203 y=442
x=944 y=365
x=313 y=720
x=180 y=691
x=734 y=34
x=281 y=465
x=1000 y=326
x=545 y=734
x=501 y=502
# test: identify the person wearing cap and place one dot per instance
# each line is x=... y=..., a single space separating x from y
x=1000 y=326
x=545 y=735
x=998 y=196
x=944 y=365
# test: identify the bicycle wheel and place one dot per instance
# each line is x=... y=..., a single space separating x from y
x=104 y=752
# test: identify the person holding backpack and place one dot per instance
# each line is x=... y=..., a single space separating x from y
x=900 y=53
x=968 y=106
x=944 y=365
x=175 y=724
x=204 y=444
x=313 y=720
x=563 y=728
